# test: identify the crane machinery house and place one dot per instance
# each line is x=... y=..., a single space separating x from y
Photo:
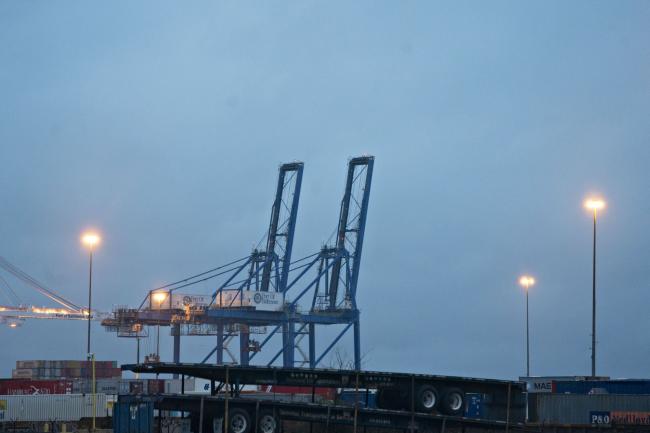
x=263 y=301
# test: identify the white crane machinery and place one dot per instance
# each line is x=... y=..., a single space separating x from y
x=16 y=312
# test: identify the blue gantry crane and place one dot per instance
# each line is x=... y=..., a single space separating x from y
x=265 y=292
x=273 y=263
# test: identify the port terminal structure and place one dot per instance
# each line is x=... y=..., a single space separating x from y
x=266 y=294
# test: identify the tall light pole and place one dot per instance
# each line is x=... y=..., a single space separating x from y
x=526 y=282
x=91 y=240
x=594 y=204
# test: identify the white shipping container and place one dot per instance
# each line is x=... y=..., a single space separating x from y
x=178 y=301
x=544 y=384
x=201 y=386
x=264 y=301
x=21 y=373
x=174 y=386
x=51 y=407
x=181 y=301
x=112 y=386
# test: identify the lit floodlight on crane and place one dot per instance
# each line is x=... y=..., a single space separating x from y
x=15 y=323
x=159 y=297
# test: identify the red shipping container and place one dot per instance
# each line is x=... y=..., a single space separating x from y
x=326 y=393
x=34 y=387
x=155 y=386
x=136 y=387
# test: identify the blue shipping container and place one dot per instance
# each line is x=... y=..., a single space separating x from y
x=631 y=387
x=131 y=415
x=475 y=406
x=348 y=397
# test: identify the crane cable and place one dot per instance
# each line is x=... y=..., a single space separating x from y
x=10 y=292
x=12 y=269
x=199 y=275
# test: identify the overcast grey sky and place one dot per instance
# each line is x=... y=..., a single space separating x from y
x=162 y=124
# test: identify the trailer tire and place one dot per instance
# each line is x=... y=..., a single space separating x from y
x=267 y=422
x=426 y=398
x=239 y=421
x=453 y=401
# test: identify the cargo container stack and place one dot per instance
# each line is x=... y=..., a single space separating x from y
x=61 y=408
x=583 y=401
x=65 y=369
x=35 y=387
x=59 y=390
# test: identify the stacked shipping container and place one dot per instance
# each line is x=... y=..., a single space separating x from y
x=35 y=387
x=580 y=409
x=102 y=386
x=584 y=401
x=68 y=400
x=636 y=387
x=65 y=369
x=16 y=408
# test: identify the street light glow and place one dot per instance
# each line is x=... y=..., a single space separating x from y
x=159 y=296
x=526 y=281
x=90 y=239
x=594 y=204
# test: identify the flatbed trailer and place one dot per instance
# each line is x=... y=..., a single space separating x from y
x=396 y=391
x=404 y=396
x=229 y=410
x=210 y=414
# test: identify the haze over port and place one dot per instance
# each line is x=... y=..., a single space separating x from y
x=163 y=128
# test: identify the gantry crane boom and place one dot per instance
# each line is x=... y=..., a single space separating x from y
x=288 y=189
x=351 y=227
x=15 y=314
x=15 y=271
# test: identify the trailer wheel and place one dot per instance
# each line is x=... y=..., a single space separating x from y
x=239 y=421
x=453 y=401
x=426 y=398
x=267 y=422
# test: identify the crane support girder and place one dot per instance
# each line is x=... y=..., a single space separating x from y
x=352 y=225
x=283 y=224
